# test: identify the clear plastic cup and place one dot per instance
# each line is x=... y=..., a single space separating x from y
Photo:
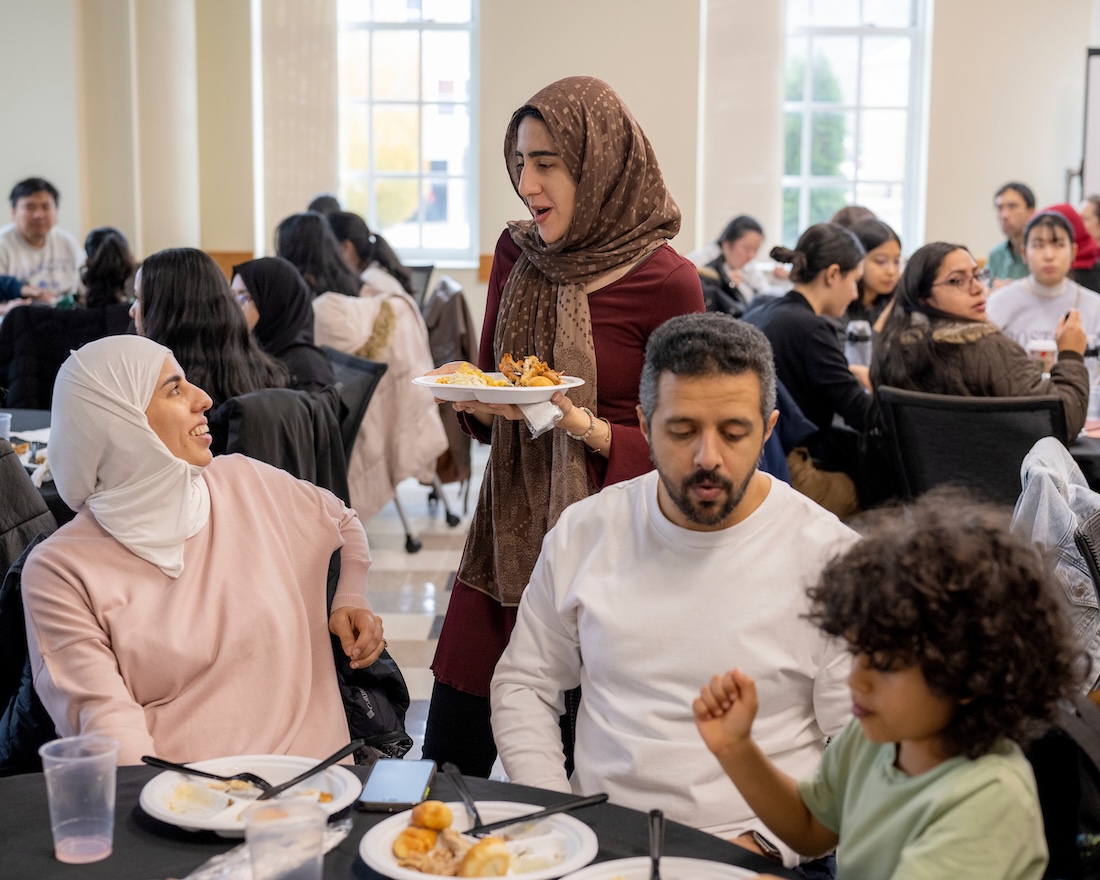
x=80 y=785
x=285 y=840
x=5 y=426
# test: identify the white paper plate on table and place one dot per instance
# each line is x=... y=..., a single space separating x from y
x=187 y=802
x=568 y=841
x=672 y=868
x=497 y=393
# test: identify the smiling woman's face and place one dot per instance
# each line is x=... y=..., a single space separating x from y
x=175 y=414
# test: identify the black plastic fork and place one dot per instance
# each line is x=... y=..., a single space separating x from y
x=250 y=778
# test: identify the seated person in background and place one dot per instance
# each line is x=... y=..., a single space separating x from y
x=277 y=305
x=369 y=255
x=325 y=203
x=145 y=621
x=881 y=270
x=1086 y=263
x=732 y=279
x=850 y=215
x=184 y=302
x=35 y=342
x=1015 y=203
x=958 y=647
x=940 y=340
x=1089 y=212
x=34 y=249
x=827 y=265
x=307 y=241
x=640 y=587
x=1031 y=307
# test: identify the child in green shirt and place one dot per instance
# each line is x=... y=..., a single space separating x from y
x=958 y=648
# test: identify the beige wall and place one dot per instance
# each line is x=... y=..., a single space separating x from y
x=1007 y=102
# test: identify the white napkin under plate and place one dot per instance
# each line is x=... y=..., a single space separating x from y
x=540 y=417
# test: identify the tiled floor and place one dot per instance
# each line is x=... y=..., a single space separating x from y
x=410 y=590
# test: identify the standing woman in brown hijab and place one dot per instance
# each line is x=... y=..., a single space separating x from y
x=581 y=284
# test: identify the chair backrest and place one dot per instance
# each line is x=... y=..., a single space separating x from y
x=1087 y=538
x=297 y=431
x=420 y=276
x=358 y=378
x=976 y=442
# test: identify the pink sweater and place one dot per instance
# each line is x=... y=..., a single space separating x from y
x=233 y=657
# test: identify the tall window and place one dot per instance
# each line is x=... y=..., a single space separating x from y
x=853 y=110
x=407 y=132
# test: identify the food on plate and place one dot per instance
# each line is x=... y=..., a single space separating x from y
x=413 y=841
x=530 y=372
x=21 y=448
x=488 y=857
x=431 y=846
x=431 y=814
x=468 y=374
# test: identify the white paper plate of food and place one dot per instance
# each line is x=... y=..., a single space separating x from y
x=672 y=868
x=525 y=381
x=198 y=804
x=540 y=850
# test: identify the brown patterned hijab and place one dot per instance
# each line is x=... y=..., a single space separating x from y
x=622 y=212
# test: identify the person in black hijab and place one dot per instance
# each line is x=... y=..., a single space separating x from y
x=277 y=306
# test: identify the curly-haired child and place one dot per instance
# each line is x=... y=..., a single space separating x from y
x=958 y=649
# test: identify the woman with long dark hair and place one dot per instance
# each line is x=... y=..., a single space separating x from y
x=939 y=339
x=369 y=254
x=184 y=303
x=881 y=270
x=109 y=266
x=277 y=307
x=307 y=241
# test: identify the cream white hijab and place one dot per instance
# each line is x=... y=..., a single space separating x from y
x=103 y=453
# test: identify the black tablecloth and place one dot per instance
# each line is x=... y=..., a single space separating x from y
x=145 y=848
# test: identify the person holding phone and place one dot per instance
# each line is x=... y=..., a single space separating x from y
x=581 y=284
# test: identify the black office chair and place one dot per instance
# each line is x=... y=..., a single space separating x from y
x=358 y=378
x=976 y=442
x=421 y=275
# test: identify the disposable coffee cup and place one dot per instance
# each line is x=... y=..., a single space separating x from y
x=1044 y=351
x=80 y=787
x=858 y=343
x=285 y=840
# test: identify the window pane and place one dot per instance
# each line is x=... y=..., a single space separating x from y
x=353 y=10
x=445 y=212
x=882 y=144
x=353 y=57
x=796 y=68
x=354 y=196
x=397 y=10
x=446 y=139
x=791 y=225
x=355 y=138
x=885 y=72
x=887 y=13
x=885 y=199
x=396 y=211
x=397 y=138
x=831 y=144
x=834 y=69
x=826 y=201
x=835 y=13
x=798 y=13
x=792 y=158
x=451 y=11
x=446 y=66
x=396 y=65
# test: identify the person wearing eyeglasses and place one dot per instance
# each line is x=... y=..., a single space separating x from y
x=939 y=339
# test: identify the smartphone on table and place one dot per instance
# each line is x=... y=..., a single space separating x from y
x=394 y=785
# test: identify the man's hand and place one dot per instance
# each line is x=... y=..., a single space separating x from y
x=360 y=633
x=724 y=710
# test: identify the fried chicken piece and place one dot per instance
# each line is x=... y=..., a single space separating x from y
x=529 y=372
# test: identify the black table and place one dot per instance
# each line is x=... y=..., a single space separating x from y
x=146 y=848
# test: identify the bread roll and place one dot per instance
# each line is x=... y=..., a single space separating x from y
x=414 y=841
x=431 y=814
x=487 y=858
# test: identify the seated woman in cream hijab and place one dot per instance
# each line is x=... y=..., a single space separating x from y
x=182 y=611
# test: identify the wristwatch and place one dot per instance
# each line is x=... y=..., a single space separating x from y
x=767 y=847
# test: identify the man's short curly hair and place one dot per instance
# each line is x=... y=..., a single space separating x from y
x=943 y=584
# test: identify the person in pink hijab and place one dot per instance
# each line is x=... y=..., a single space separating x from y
x=1086 y=264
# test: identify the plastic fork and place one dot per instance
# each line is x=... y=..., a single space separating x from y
x=656 y=842
x=455 y=775
x=250 y=778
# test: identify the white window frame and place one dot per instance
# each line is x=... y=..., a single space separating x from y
x=455 y=257
x=914 y=185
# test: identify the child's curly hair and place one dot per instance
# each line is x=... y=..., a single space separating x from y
x=944 y=585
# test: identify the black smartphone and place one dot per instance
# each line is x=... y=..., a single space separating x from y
x=394 y=785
